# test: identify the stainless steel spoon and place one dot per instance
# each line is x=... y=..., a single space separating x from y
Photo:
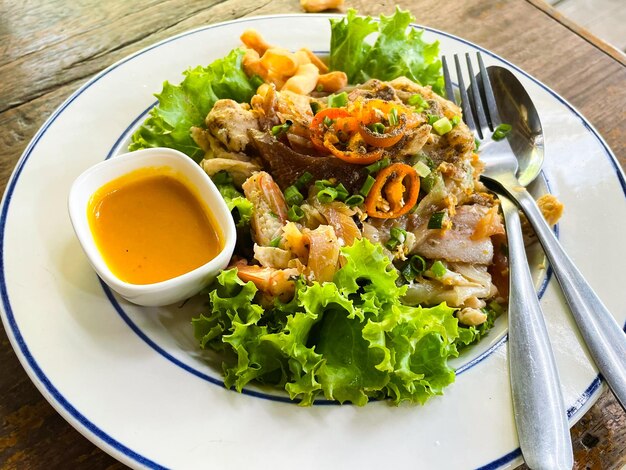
x=509 y=175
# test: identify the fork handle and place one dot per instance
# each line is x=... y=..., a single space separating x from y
x=605 y=339
x=540 y=415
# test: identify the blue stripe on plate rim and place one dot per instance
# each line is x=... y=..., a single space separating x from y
x=43 y=383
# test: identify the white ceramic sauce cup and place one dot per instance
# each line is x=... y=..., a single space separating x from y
x=172 y=290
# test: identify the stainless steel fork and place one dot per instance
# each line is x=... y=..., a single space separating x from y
x=540 y=413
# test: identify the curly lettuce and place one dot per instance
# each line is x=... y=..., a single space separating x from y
x=186 y=105
x=240 y=207
x=397 y=50
x=351 y=340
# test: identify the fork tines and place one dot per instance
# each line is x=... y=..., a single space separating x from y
x=477 y=102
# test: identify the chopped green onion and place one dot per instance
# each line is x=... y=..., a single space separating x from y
x=476 y=144
x=222 y=177
x=315 y=107
x=418 y=264
x=276 y=242
x=367 y=186
x=407 y=272
x=455 y=120
x=379 y=165
x=413 y=267
x=437 y=220
x=329 y=191
x=438 y=269
x=282 y=128
x=393 y=117
x=392 y=243
x=501 y=131
x=303 y=180
x=428 y=182
x=418 y=100
x=355 y=200
x=293 y=196
x=328 y=121
x=432 y=118
x=377 y=127
x=397 y=237
x=323 y=184
x=338 y=101
x=442 y=126
x=295 y=213
x=327 y=195
x=422 y=169
x=422 y=157
x=342 y=192
x=398 y=233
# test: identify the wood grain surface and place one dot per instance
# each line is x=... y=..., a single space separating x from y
x=49 y=48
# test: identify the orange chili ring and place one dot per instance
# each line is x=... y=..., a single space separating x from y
x=386 y=199
x=318 y=128
x=369 y=116
x=354 y=156
x=377 y=111
x=382 y=140
x=370 y=107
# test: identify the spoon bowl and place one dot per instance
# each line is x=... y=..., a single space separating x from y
x=517 y=109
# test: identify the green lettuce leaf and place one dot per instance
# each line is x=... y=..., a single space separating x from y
x=349 y=371
x=239 y=206
x=186 y=105
x=420 y=341
x=368 y=268
x=350 y=340
x=348 y=49
x=398 y=50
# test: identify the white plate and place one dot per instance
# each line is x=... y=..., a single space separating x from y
x=133 y=381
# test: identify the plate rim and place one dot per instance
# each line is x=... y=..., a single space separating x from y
x=79 y=421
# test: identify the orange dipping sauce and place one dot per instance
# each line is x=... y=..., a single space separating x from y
x=150 y=226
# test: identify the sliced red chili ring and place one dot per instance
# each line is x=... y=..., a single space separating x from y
x=352 y=155
x=394 y=192
x=318 y=128
x=386 y=139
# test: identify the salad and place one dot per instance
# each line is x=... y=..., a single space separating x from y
x=368 y=251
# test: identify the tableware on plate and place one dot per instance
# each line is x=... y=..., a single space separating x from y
x=171 y=290
x=133 y=380
x=540 y=415
x=602 y=334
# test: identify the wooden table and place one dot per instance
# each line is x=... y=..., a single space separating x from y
x=49 y=49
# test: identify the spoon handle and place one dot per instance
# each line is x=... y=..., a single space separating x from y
x=605 y=339
x=540 y=415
